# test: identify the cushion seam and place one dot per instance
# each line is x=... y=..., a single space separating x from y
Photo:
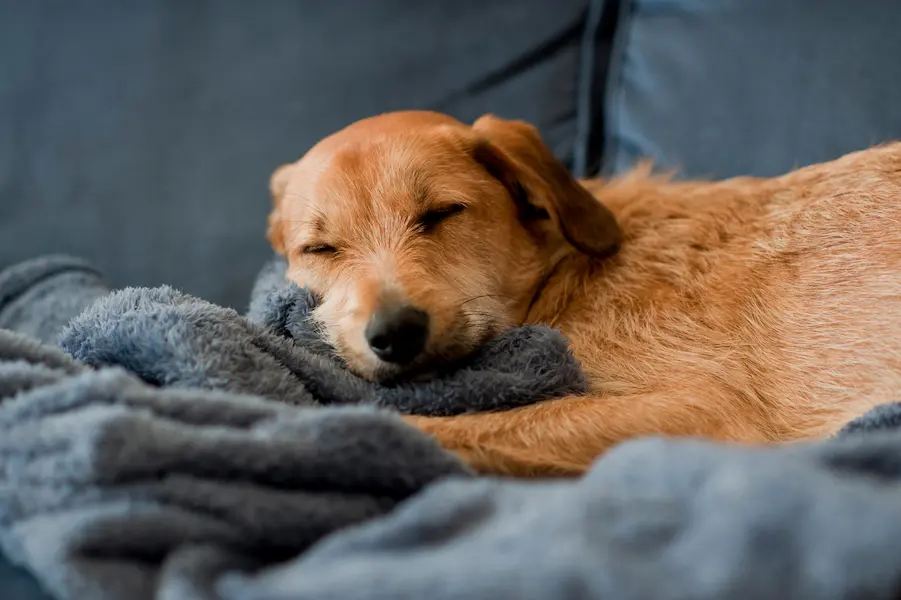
x=615 y=83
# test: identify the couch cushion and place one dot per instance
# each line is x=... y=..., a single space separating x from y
x=141 y=135
x=16 y=584
x=727 y=87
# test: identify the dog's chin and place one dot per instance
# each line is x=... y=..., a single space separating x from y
x=425 y=370
x=432 y=366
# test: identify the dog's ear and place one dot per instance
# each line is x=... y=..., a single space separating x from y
x=513 y=152
x=278 y=183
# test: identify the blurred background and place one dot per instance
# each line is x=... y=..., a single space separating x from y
x=141 y=134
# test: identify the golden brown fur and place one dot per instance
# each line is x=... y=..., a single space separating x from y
x=749 y=310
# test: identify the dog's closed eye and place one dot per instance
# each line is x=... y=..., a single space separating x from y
x=319 y=249
x=430 y=220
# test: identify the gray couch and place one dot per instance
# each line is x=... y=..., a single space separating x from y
x=140 y=134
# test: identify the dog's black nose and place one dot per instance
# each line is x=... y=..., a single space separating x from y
x=397 y=334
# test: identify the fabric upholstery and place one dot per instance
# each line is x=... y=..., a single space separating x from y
x=141 y=134
x=716 y=88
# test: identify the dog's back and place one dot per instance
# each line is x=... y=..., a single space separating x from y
x=774 y=302
x=749 y=310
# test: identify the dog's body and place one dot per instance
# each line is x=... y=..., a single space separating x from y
x=749 y=310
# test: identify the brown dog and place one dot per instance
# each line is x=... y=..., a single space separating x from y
x=749 y=310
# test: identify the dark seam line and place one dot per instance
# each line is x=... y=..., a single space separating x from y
x=613 y=96
x=585 y=87
x=530 y=59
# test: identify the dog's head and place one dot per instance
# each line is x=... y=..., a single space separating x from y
x=424 y=236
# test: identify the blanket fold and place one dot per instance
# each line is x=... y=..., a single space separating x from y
x=163 y=466
x=171 y=428
x=171 y=339
x=660 y=519
x=106 y=483
x=39 y=297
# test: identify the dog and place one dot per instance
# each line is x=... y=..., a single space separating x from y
x=749 y=310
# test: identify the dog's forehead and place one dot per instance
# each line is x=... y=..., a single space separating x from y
x=381 y=179
x=398 y=171
x=377 y=171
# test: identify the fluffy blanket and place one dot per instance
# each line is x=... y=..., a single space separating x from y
x=170 y=339
x=168 y=419
x=111 y=487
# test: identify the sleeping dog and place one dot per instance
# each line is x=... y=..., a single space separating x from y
x=748 y=310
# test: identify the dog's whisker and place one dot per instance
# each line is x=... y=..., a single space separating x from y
x=481 y=296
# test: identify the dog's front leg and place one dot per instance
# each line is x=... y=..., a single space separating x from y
x=563 y=437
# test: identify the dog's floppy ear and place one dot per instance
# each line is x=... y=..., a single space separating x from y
x=278 y=183
x=513 y=152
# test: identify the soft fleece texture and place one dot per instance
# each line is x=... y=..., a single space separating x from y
x=654 y=519
x=114 y=489
x=171 y=339
x=109 y=487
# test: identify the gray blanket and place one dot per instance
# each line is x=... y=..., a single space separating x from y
x=114 y=488
x=169 y=420
x=109 y=487
x=174 y=340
